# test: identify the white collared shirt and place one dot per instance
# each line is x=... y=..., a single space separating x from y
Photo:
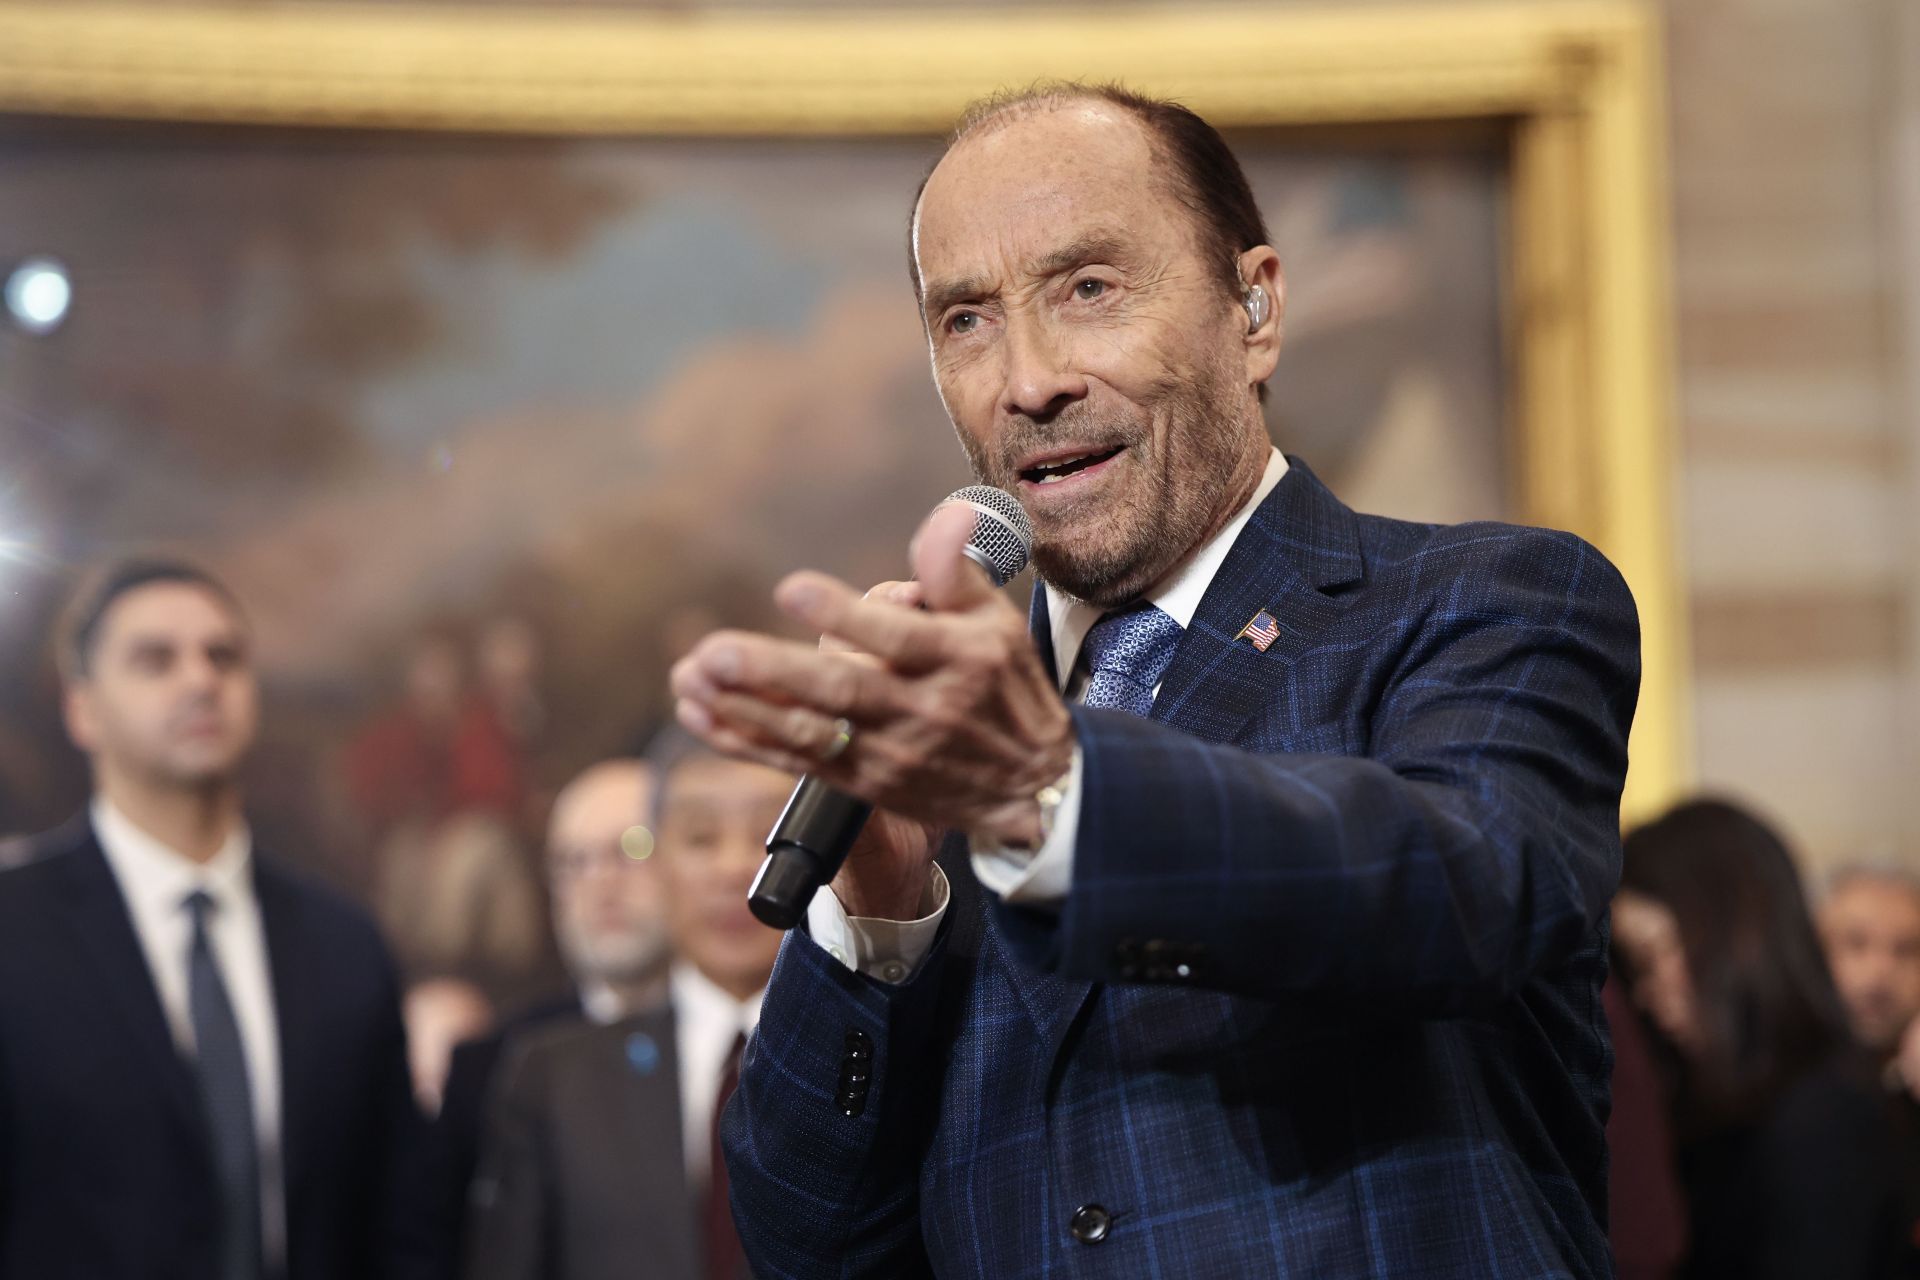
x=891 y=950
x=155 y=881
x=705 y=1022
x=601 y=1003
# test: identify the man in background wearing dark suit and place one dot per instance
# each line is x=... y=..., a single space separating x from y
x=609 y=917
x=202 y=1066
x=600 y=1160
x=1298 y=826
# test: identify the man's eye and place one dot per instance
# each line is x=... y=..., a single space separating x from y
x=964 y=322
x=151 y=661
x=1089 y=289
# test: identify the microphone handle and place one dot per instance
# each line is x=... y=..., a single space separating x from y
x=804 y=851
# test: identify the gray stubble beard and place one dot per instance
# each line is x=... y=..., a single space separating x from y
x=1205 y=420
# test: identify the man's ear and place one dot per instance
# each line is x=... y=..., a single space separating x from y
x=1260 y=269
x=76 y=707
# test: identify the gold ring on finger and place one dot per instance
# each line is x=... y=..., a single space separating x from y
x=841 y=740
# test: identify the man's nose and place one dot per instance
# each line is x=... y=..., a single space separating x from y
x=199 y=672
x=1041 y=379
x=742 y=858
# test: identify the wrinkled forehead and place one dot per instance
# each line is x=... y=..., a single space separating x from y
x=1012 y=191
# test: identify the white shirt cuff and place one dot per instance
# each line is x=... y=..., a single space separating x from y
x=1035 y=877
x=890 y=950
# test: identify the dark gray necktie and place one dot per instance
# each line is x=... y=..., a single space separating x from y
x=220 y=1062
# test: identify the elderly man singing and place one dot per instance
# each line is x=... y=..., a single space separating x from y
x=1296 y=828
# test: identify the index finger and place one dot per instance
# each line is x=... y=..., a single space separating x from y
x=901 y=595
x=905 y=638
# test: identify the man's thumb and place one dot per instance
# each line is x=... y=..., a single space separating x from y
x=952 y=582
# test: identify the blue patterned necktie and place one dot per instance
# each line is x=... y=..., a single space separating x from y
x=220 y=1063
x=1128 y=651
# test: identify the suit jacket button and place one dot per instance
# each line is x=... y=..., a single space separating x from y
x=1089 y=1224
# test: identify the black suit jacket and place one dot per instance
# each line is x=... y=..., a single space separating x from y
x=582 y=1173
x=105 y=1171
x=457 y=1130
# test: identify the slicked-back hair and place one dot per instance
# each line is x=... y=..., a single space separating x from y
x=79 y=631
x=1200 y=169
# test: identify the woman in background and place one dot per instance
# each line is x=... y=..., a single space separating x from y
x=1784 y=1152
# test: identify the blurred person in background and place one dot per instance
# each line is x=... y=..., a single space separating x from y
x=440 y=1013
x=508 y=715
x=1647 y=1211
x=203 y=1071
x=436 y=783
x=1785 y=1157
x=601 y=1153
x=462 y=897
x=1870 y=922
x=609 y=915
x=399 y=769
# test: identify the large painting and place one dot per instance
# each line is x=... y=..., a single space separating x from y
x=612 y=387
x=493 y=423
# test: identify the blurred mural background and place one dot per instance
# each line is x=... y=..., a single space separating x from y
x=486 y=431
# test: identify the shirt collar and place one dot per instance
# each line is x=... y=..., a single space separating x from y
x=601 y=1003
x=696 y=999
x=1177 y=595
x=158 y=877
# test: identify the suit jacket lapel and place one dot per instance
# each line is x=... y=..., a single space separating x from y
x=1299 y=547
x=647 y=1107
x=1050 y=1000
x=105 y=936
x=290 y=963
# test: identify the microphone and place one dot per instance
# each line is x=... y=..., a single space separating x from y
x=811 y=839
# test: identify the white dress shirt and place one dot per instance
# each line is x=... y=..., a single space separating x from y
x=156 y=880
x=892 y=950
x=705 y=1022
x=601 y=1003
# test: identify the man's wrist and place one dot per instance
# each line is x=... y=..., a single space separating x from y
x=1028 y=821
x=892 y=898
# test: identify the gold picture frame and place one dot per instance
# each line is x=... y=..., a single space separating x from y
x=1576 y=87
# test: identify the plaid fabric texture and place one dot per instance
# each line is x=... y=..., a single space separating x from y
x=1324 y=999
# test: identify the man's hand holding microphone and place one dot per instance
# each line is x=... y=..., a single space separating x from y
x=925 y=699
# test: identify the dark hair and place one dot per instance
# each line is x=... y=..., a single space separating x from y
x=100 y=590
x=1765 y=1000
x=667 y=751
x=1202 y=173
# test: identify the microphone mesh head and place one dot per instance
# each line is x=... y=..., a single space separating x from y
x=1002 y=536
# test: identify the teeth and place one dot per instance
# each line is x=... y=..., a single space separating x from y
x=1058 y=463
x=1060 y=468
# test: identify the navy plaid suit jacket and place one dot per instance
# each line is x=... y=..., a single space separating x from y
x=1324 y=999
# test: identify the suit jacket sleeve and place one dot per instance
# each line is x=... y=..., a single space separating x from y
x=1474 y=843
x=508 y=1225
x=407 y=1249
x=819 y=1192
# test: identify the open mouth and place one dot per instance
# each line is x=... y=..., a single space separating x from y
x=1058 y=469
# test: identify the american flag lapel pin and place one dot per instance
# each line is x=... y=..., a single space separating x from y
x=1261 y=629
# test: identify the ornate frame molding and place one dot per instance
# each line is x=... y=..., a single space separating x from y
x=1576 y=86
